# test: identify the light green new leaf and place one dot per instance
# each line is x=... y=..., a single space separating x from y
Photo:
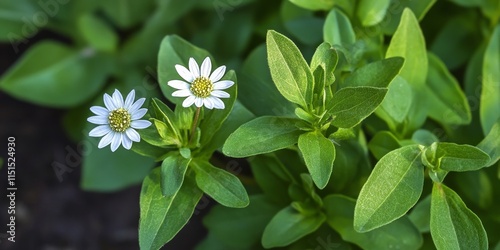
x=239 y=228
x=382 y=143
x=372 y=12
x=173 y=170
x=289 y=70
x=350 y=105
x=490 y=94
x=314 y=4
x=490 y=144
x=340 y=214
x=97 y=33
x=408 y=42
x=224 y=187
x=394 y=186
x=288 y=225
x=448 y=101
x=453 y=157
x=52 y=74
x=327 y=57
x=162 y=218
x=262 y=135
x=453 y=225
x=377 y=74
x=338 y=29
x=319 y=155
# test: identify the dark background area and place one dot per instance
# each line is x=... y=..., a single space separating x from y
x=53 y=214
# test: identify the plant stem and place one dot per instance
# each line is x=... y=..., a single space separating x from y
x=195 y=124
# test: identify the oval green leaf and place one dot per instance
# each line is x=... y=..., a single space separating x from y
x=453 y=225
x=173 y=169
x=453 y=157
x=490 y=93
x=394 y=186
x=319 y=155
x=338 y=29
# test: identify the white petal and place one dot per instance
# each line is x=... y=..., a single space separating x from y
x=130 y=99
x=208 y=103
x=139 y=114
x=140 y=124
x=100 y=131
x=126 y=142
x=118 y=99
x=194 y=68
x=206 y=67
x=178 y=84
x=189 y=101
x=184 y=73
x=106 y=140
x=218 y=103
x=198 y=102
x=220 y=94
x=223 y=84
x=182 y=93
x=116 y=141
x=133 y=135
x=218 y=73
x=136 y=105
x=108 y=101
x=99 y=110
x=99 y=120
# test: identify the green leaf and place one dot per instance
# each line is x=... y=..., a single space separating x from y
x=338 y=29
x=175 y=50
x=327 y=57
x=289 y=69
x=420 y=215
x=424 y=137
x=490 y=93
x=15 y=23
x=239 y=228
x=408 y=42
x=476 y=186
x=314 y=4
x=350 y=105
x=288 y=225
x=490 y=143
x=97 y=33
x=397 y=102
x=173 y=170
x=103 y=170
x=454 y=157
x=394 y=186
x=453 y=225
x=377 y=74
x=224 y=187
x=52 y=74
x=127 y=13
x=448 y=101
x=382 y=143
x=319 y=155
x=162 y=218
x=272 y=177
x=255 y=81
x=340 y=215
x=396 y=8
x=262 y=135
x=372 y=12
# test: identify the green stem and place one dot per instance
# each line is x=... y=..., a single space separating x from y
x=195 y=124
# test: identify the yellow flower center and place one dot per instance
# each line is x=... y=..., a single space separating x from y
x=119 y=120
x=202 y=87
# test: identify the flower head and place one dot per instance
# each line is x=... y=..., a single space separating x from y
x=199 y=86
x=118 y=121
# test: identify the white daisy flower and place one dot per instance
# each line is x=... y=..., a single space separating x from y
x=119 y=120
x=199 y=86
